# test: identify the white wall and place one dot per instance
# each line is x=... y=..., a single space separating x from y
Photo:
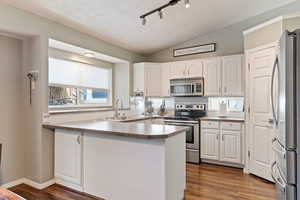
x=11 y=112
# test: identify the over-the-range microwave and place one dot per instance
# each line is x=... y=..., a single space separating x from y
x=187 y=87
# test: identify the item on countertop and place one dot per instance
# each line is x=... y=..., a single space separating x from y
x=223 y=109
x=162 y=108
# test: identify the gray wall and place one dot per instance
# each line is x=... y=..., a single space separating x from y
x=229 y=40
x=263 y=36
x=11 y=114
x=37 y=31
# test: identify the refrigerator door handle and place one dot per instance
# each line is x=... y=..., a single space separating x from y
x=278 y=180
x=277 y=150
x=272 y=90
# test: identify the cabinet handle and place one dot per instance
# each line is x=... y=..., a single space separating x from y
x=222 y=137
x=217 y=137
x=78 y=139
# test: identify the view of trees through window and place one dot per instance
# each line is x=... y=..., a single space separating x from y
x=59 y=96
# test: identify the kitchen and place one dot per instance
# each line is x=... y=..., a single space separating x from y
x=187 y=119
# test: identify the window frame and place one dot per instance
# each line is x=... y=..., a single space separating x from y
x=82 y=106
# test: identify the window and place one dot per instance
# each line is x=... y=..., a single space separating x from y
x=77 y=84
x=234 y=104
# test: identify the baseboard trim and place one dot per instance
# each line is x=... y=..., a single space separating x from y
x=39 y=186
x=240 y=166
x=13 y=183
x=29 y=182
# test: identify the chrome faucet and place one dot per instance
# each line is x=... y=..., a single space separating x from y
x=116 y=108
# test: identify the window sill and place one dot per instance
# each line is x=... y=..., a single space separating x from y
x=83 y=110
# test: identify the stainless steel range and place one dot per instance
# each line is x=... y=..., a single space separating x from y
x=188 y=115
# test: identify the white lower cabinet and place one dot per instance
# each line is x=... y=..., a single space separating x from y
x=230 y=146
x=68 y=158
x=222 y=142
x=210 y=144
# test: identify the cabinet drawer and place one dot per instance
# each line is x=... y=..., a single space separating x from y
x=210 y=124
x=235 y=126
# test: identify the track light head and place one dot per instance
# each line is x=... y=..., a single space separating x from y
x=144 y=21
x=173 y=2
x=187 y=3
x=160 y=14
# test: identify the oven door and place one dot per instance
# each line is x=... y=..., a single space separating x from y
x=181 y=89
x=192 y=134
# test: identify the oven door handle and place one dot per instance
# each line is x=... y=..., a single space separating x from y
x=187 y=123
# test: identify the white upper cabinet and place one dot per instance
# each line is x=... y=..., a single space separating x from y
x=223 y=76
x=212 y=76
x=139 y=77
x=178 y=69
x=153 y=80
x=194 y=68
x=187 y=69
x=165 y=79
x=232 y=81
x=147 y=78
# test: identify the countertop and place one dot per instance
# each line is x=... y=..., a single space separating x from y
x=216 y=118
x=135 y=130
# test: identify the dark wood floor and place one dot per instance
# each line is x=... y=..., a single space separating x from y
x=204 y=182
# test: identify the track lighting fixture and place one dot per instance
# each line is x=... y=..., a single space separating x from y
x=160 y=9
x=187 y=3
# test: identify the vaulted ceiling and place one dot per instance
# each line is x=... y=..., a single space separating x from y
x=117 y=21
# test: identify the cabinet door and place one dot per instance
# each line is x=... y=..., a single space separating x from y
x=165 y=79
x=178 y=69
x=210 y=144
x=232 y=81
x=194 y=68
x=139 y=77
x=212 y=77
x=153 y=79
x=231 y=146
x=68 y=156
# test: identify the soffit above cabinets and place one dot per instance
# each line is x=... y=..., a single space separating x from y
x=118 y=22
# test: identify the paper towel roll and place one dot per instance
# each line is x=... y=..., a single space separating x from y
x=223 y=109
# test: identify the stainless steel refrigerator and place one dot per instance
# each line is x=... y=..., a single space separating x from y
x=286 y=115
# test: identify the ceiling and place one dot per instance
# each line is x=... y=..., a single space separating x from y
x=117 y=21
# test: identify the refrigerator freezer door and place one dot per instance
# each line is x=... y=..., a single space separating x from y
x=286 y=161
x=289 y=193
x=284 y=190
